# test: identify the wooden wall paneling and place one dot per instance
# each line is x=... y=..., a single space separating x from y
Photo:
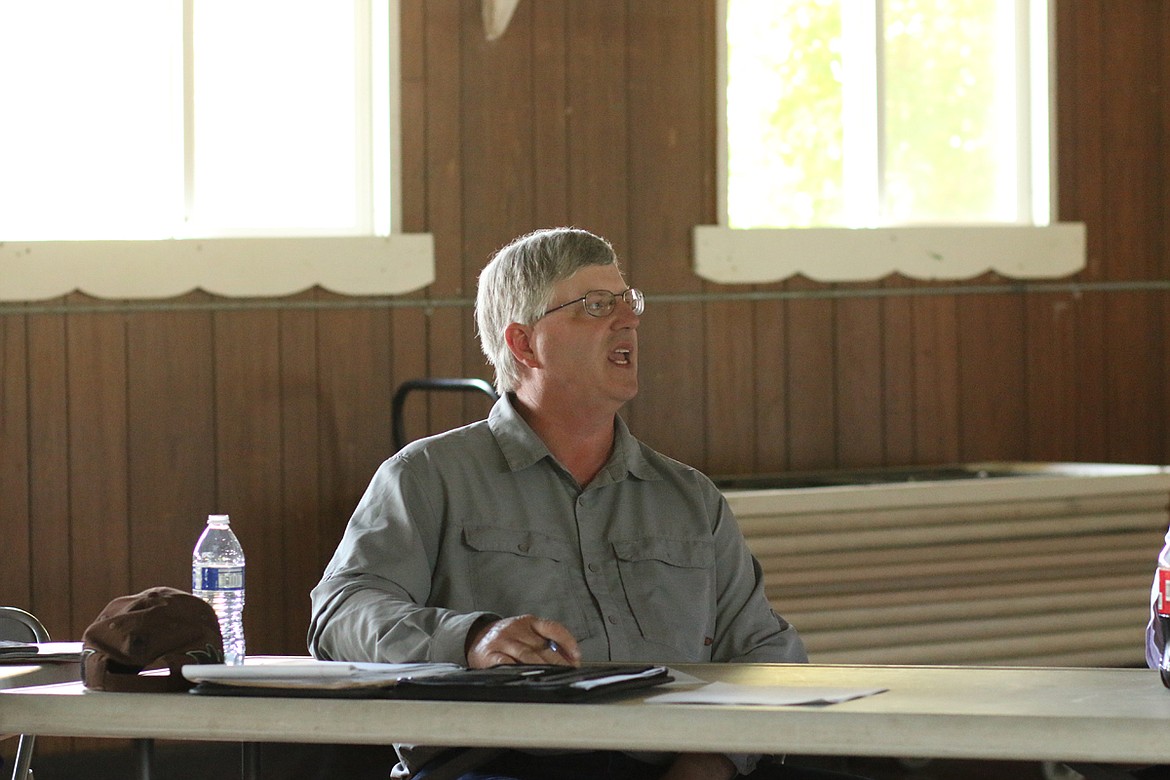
x=1081 y=168
x=1131 y=123
x=687 y=403
x=48 y=414
x=410 y=326
x=412 y=98
x=354 y=393
x=668 y=412
x=897 y=375
x=408 y=347
x=936 y=380
x=729 y=388
x=811 y=381
x=1164 y=248
x=497 y=146
x=770 y=358
x=15 y=514
x=171 y=417
x=550 y=115
x=992 y=387
x=858 y=338
x=1065 y=375
x=601 y=132
x=305 y=546
x=99 y=484
x=443 y=69
x=248 y=448
x=1050 y=378
x=1135 y=342
x=601 y=128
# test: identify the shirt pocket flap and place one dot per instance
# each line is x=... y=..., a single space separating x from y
x=517 y=542
x=684 y=553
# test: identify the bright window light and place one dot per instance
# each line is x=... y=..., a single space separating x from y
x=871 y=113
x=154 y=119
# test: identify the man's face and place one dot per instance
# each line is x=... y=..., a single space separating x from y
x=585 y=359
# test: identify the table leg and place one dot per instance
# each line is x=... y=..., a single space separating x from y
x=143 y=757
x=250 y=761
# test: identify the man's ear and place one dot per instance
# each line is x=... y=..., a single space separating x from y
x=519 y=340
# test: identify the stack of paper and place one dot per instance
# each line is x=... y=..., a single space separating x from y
x=39 y=652
x=309 y=674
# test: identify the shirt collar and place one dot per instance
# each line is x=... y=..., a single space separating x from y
x=522 y=447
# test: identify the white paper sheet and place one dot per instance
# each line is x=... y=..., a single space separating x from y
x=763 y=695
x=306 y=673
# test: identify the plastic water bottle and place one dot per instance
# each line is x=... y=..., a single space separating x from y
x=217 y=577
x=1162 y=608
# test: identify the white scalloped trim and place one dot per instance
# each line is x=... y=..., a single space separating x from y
x=859 y=255
x=234 y=267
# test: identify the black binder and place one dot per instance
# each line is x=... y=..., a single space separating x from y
x=506 y=683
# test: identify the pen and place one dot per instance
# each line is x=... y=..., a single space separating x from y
x=552 y=645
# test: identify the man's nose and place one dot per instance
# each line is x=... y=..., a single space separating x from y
x=624 y=313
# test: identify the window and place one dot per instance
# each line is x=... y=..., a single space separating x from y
x=897 y=135
x=243 y=146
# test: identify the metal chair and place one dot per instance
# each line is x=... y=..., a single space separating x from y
x=16 y=625
x=471 y=384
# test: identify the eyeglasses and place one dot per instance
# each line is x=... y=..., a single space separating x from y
x=600 y=303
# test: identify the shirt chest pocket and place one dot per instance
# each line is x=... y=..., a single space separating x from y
x=670 y=587
x=518 y=572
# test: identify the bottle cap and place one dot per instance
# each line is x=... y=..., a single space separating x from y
x=218 y=520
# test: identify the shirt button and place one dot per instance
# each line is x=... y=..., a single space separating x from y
x=612 y=620
x=522 y=547
x=593 y=567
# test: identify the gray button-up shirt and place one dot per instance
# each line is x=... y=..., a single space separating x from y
x=644 y=564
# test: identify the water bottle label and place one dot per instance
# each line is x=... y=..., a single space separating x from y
x=1163 y=605
x=220 y=578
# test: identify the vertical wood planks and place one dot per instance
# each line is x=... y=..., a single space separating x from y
x=16 y=587
x=993 y=393
x=770 y=359
x=443 y=68
x=98 y=484
x=1083 y=196
x=1131 y=127
x=50 y=558
x=170 y=404
x=248 y=461
x=662 y=152
x=304 y=532
x=860 y=399
x=811 y=381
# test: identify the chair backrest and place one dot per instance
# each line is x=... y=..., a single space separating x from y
x=16 y=625
x=398 y=403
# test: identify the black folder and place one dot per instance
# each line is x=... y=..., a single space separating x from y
x=506 y=683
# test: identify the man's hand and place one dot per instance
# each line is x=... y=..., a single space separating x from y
x=700 y=766
x=524 y=639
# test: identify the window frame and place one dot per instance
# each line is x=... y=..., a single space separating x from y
x=843 y=254
x=384 y=262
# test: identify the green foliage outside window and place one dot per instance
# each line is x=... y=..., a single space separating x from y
x=948 y=109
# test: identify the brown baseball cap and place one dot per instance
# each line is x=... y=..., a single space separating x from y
x=159 y=628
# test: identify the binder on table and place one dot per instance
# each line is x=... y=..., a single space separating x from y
x=505 y=683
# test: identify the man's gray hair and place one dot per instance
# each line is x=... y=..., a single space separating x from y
x=517 y=286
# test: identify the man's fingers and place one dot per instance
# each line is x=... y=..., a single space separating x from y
x=560 y=646
x=525 y=640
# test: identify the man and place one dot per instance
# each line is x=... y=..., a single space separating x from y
x=548 y=534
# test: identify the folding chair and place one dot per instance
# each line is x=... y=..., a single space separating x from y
x=16 y=625
x=469 y=384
